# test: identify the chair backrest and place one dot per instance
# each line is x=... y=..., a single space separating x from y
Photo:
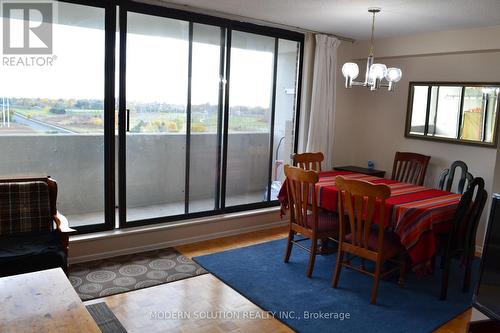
x=446 y=178
x=410 y=167
x=470 y=208
x=362 y=202
x=302 y=195
x=27 y=205
x=308 y=161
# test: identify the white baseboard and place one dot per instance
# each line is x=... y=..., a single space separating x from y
x=177 y=242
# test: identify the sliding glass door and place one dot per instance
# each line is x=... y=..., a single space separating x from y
x=285 y=108
x=204 y=156
x=57 y=111
x=262 y=109
x=156 y=81
x=249 y=118
x=201 y=122
x=202 y=126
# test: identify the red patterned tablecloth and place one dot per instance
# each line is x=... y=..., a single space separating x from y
x=415 y=213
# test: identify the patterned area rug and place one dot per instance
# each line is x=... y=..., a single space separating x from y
x=116 y=275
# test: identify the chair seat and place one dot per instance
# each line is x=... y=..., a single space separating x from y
x=390 y=247
x=326 y=222
x=28 y=253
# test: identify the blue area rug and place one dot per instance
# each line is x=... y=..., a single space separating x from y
x=258 y=273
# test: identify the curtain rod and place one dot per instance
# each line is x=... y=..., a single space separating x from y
x=239 y=18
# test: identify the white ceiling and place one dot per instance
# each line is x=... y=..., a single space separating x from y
x=349 y=18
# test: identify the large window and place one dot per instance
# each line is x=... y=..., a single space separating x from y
x=197 y=114
x=207 y=109
x=157 y=50
x=250 y=105
x=453 y=112
x=52 y=111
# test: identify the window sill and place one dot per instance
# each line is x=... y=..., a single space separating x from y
x=169 y=225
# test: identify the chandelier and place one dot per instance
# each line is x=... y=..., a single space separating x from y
x=375 y=73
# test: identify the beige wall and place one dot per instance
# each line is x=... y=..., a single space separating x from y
x=370 y=125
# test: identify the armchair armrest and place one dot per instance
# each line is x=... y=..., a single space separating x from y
x=63 y=224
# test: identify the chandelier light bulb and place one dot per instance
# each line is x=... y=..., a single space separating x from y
x=393 y=74
x=350 y=70
x=377 y=71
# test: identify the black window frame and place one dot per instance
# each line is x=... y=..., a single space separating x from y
x=115 y=9
x=109 y=115
x=227 y=26
x=456 y=140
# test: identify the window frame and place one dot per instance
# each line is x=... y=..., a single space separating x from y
x=457 y=140
x=108 y=74
x=114 y=143
x=228 y=26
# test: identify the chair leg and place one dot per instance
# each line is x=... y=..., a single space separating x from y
x=402 y=269
x=445 y=278
x=443 y=259
x=312 y=256
x=373 y=298
x=338 y=267
x=467 y=276
x=289 y=245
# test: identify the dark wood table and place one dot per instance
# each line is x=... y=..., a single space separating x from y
x=366 y=171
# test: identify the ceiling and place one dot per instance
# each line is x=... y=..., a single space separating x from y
x=349 y=18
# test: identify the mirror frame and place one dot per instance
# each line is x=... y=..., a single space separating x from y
x=408 y=135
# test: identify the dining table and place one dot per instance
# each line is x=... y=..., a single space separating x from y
x=417 y=214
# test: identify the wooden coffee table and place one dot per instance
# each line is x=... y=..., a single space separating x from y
x=42 y=301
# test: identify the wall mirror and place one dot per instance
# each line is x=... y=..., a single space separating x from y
x=454 y=112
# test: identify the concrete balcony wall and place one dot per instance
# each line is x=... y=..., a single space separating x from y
x=155 y=166
x=75 y=161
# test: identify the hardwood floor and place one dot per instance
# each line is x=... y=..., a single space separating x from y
x=206 y=295
x=232 y=242
x=166 y=308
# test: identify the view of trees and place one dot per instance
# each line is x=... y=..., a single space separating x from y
x=49 y=116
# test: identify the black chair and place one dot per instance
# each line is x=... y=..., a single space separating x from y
x=461 y=241
x=33 y=234
x=446 y=178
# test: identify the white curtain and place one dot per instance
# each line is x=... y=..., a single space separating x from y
x=322 y=114
x=305 y=97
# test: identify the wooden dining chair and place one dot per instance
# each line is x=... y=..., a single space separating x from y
x=461 y=241
x=410 y=167
x=308 y=161
x=362 y=201
x=305 y=218
x=446 y=178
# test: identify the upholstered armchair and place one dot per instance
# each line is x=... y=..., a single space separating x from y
x=33 y=234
